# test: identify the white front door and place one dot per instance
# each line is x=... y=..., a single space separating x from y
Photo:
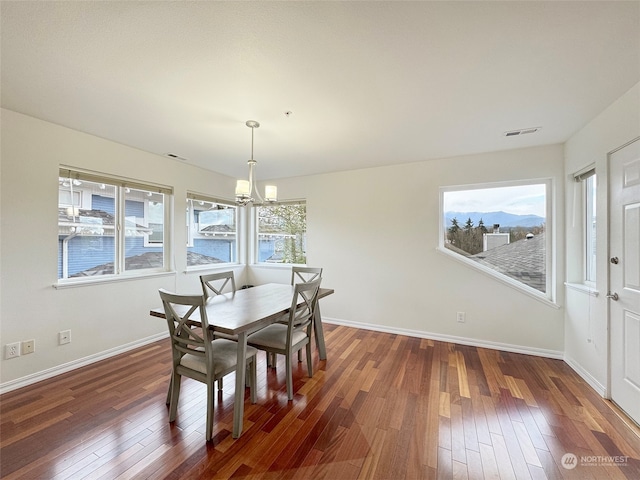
x=624 y=277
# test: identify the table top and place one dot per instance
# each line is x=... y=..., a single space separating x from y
x=248 y=309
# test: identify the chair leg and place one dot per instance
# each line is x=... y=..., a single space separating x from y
x=210 y=391
x=309 y=362
x=300 y=355
x=253 y=376
x=289 y=378
x=169 y=390
x=175 y=394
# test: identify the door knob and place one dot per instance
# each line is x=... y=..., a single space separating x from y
x=614 y=260
x=613 y=296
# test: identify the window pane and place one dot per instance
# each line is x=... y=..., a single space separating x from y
x=501 y=228
x=211 y=233
x=86 y=242
x=590 y=230
x=282 y=233
x=143 y=229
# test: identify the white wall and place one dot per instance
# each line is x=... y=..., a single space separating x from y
x=586 y=339
x=374 y=231
x=101 y=317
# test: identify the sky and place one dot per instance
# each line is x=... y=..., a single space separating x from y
x=520 y=200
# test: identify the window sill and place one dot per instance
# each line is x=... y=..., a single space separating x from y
x=110 y=279
x=541 y=297
x=581 y=287
x=283 y=266
x=212 y=267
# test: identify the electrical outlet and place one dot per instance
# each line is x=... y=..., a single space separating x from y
x=64 y=337
x=28 y=346
x=12 y=350
x=461 y=317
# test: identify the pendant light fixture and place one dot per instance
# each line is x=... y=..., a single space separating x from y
x=245 y=188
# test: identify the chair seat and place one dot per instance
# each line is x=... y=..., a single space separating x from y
x=225 y=356
x=273 y=339
x=197 y=356
x=275 y=336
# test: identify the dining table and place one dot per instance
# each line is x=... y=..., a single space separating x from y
x=246 y=311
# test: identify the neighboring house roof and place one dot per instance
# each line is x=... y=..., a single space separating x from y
x=94 y=222
x=218 y=229
x=523 y=260
x=146 y=260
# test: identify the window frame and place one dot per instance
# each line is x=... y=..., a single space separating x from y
x=255 y=235
x=120 y=184
x=587 y=178
x=198 y=197
x=147 y=242
x=549 y=296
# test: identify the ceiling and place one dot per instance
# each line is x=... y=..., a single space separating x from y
x=367 y=83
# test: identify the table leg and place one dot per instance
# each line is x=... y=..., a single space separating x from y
x=241 y=368
x=317 y=326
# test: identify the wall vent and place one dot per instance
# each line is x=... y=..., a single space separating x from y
x=522 y=131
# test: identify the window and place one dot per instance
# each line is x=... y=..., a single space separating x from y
x=211 y=231
x=588 y=180
x=590 y=233
x=501 y=229
x=114 y=226
x=282 y=233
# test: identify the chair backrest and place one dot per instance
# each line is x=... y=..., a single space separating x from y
x=180 y=311
x=305 y=274
x=215 y=283
x=301 y=312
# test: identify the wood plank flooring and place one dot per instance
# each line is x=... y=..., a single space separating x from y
x=382 y=406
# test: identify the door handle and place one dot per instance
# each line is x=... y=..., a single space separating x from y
x=614 y=260
x=613 y=296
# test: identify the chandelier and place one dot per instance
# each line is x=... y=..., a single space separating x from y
x=245 y=188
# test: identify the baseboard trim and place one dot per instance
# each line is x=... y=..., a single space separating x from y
x=587 y=377
x=81 y=362
x=539 y=352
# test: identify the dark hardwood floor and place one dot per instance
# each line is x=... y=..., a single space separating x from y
x=382 y=406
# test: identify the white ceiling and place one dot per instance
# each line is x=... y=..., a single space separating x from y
x=369 y=83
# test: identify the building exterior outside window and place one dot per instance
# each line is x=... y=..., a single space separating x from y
x=212 y=236
x=107 y=226
x=500 y=229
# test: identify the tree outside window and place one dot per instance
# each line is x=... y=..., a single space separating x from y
x=501 y=229
x=282 y=233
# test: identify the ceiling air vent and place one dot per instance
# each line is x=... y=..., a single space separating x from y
x=175 y=157
x=522 y=131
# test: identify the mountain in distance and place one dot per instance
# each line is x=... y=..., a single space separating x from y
x=490 y=218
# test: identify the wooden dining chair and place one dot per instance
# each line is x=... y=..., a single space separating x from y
x=301 y=274
x=305 y=274
x=215 y=283
x=196 y=354
x=298 y=274
x=279 y=338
